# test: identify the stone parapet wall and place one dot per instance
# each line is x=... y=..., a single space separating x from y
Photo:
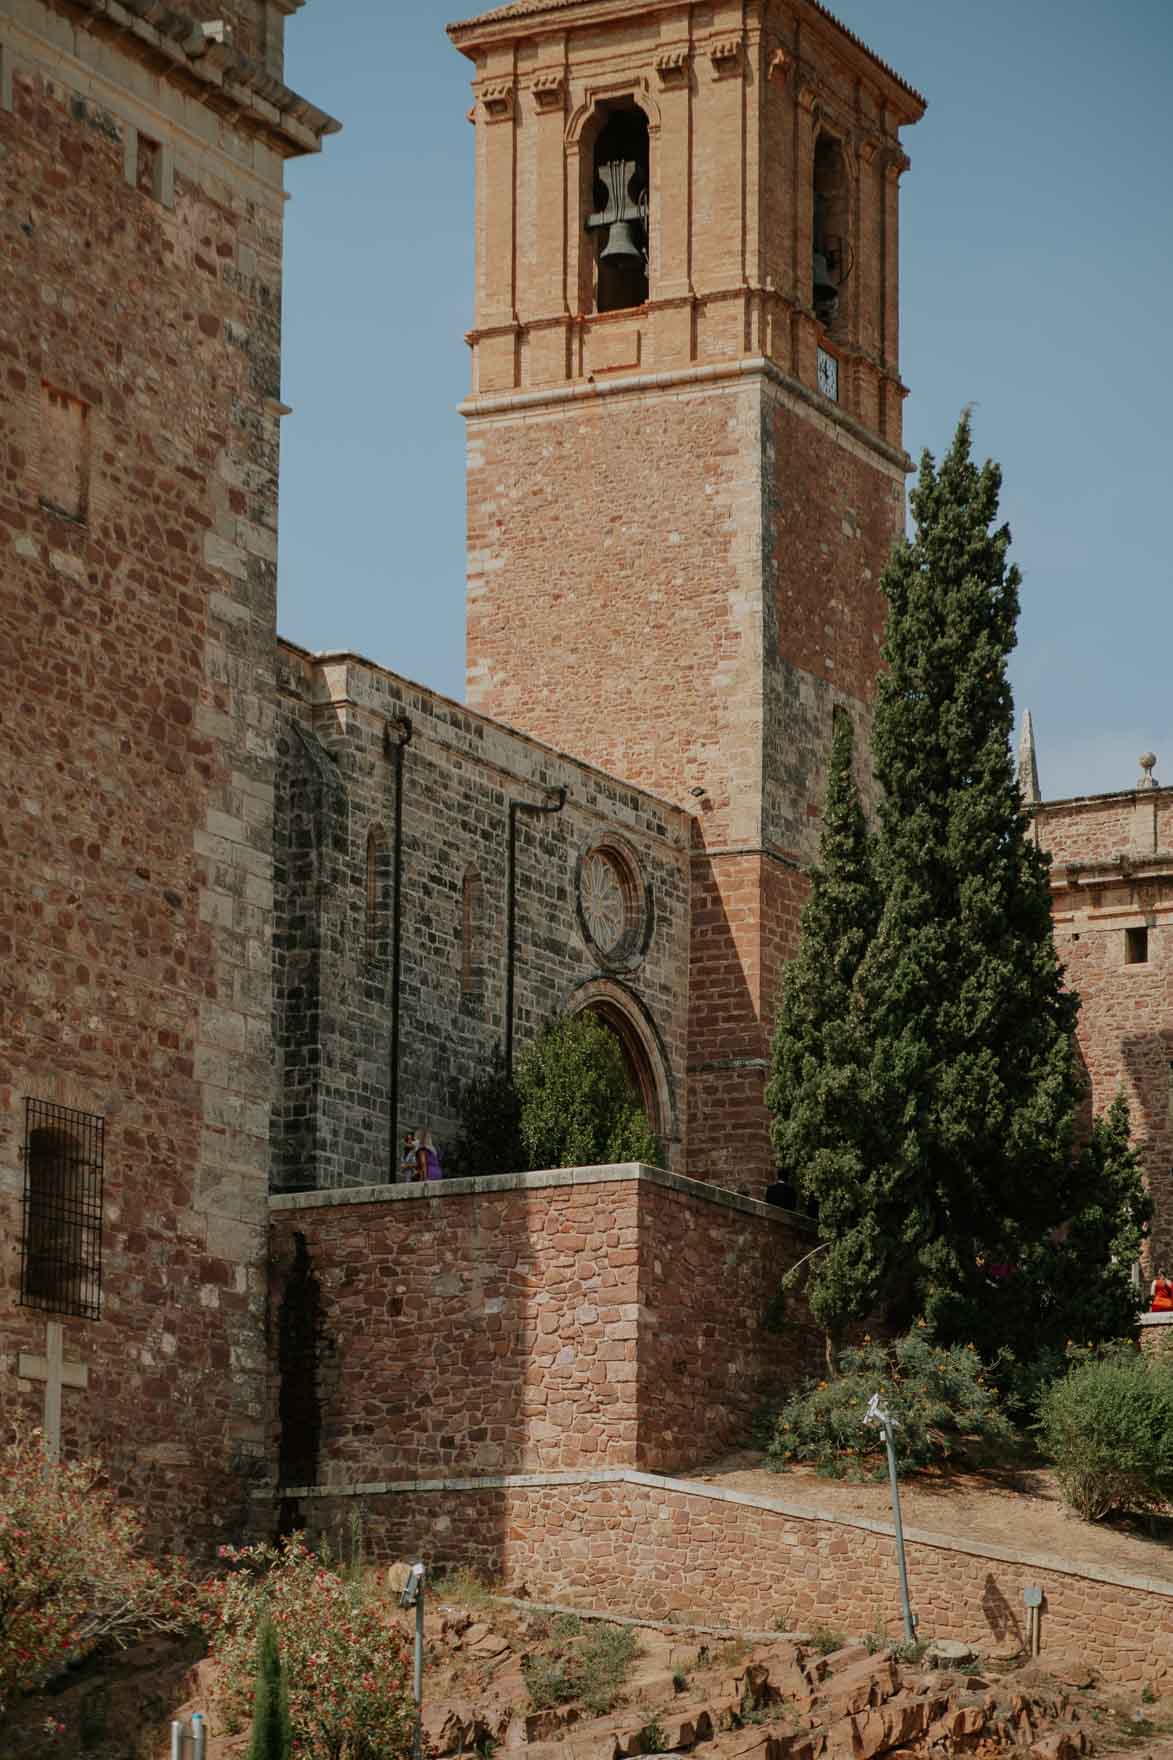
x=621 y=1540
x=598 y=1316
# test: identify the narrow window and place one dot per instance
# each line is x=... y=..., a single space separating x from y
x=472 y=972
x=619 y=223
x=831 y=232
x=61 y=1242
x=377 y=902
x=1136 y=947
x=65 y=453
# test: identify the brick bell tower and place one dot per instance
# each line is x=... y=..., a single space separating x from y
x=685 y=468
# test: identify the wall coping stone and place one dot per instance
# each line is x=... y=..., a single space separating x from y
x=1066 y=1567
x=1162 y=1319
x=485 y=1185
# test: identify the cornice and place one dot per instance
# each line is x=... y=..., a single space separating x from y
x=1128 y=867
x=529 y=17
x=179 y=46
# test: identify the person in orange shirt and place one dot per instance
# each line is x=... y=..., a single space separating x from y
x=1162 y=1302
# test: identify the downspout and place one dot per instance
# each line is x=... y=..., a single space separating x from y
x=516 y=807
x=394 y=749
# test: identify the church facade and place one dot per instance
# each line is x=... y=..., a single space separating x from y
x=263 y=911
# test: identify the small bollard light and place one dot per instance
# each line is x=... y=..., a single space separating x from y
x=876 y=1414
x=1033 y=1601
x=199 y=1736
x=178 y=1733
x=413 y=1596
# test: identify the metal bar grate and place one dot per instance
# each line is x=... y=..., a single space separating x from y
x=61 y=1240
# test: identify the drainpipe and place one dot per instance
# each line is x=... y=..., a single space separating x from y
x=516 y=807
x=394 y=749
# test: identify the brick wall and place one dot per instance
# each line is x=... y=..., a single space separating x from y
x=730 y=1558
x=333 y=978
x=140 y=282
x=1112 y=873
x=599 y=1316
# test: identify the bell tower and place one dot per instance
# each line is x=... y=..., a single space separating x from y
x=685 y=468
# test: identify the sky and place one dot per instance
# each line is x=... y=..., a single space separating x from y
x=1037 y=269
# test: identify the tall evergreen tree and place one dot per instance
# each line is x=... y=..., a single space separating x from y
x=970 y=1078
x=814 y=1090
x=272 y=1734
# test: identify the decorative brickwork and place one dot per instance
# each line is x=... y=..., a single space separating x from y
x=139 y=349
x=740 y=1560
x=598 y=1315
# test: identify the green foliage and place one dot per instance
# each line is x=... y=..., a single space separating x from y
x=272 y=1733
x=577 y=1104
x=72 y=1576
x=925 y=1089
x=489 y=1141
x=825 y=1641
x=347 y=1665
x=939 y=1396
x=652 y=1738
x=591 y=1669
x=1108 y=1427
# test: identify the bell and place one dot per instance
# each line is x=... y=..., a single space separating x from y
x=826 y=294
x=621 y=242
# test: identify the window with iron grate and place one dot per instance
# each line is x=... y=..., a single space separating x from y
x=61 y=1241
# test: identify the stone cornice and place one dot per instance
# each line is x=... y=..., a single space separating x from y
x=1129 y=866
x=506 y=24
x=179 y=47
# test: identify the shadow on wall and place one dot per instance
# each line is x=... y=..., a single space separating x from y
x=1147 y=1067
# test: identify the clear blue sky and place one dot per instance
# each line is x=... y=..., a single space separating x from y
x=1037 y=276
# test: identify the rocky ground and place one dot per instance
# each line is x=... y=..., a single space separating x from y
x=506 y=1681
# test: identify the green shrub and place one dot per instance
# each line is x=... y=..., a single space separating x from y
x=1108 y=1427
x=941 y=1401
x=593 y=1669
x=578 y=1108
x=272 y=1734
x=490 y=1126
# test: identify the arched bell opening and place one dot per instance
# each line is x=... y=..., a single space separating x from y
x=616 y=148
x=833 y=257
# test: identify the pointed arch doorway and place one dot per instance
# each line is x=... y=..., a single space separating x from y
x=628 y=1020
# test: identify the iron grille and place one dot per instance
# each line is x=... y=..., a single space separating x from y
x=61 y=1241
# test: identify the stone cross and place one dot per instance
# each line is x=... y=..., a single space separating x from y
x=56 y=1373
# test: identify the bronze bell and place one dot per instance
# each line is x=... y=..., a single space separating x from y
x=621 y=242
x=826 y=294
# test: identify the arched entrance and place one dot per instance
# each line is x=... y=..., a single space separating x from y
x=624 y=1015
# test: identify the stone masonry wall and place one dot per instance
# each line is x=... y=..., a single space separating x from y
x=334 y=963
x=597 y=1315
x=1112 y=884
x=727 y=1558
x=140 y=286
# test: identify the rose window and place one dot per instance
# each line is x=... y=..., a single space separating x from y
x=610 y=902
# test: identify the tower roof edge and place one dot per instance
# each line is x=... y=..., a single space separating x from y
x=465 y=33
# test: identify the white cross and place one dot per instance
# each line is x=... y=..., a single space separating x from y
x=56 y=1373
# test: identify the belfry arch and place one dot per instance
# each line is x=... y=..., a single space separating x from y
x=624 y=1015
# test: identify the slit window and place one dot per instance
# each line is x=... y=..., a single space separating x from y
x=1136 y=947
x=61 y=1238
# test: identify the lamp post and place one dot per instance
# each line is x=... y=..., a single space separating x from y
x=876 y=1414
x=413 y=1596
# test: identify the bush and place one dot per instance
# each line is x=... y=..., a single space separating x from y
x=490 y=1126
x=346 y=1664
x=272 y=1735
x=577 y=1104
x=592 y=1670
x=938 y=1396
x=1108 y=1427
x=71 y=1575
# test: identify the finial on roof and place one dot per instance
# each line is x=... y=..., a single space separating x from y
x=1028 y=768
x=1147 y=762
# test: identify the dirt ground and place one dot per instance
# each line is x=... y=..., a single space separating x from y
x=1018 y=1508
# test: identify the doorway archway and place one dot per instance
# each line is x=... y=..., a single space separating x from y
x=626 y=1017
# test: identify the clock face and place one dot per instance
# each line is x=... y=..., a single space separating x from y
x=828 y=375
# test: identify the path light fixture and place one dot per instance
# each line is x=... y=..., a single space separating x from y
x=876 y=1414
x=413 y=1596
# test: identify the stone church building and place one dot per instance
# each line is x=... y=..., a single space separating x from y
x=262 y=910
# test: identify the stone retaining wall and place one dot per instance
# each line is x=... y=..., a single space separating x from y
x=582 y=1317
x=681 y=1547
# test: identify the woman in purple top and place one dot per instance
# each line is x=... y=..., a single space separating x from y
x=427 y=1160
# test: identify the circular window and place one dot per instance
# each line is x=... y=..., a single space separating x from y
x=611 y=904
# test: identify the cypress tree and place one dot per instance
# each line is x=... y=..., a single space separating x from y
x=272 y=1735
x=970 y=1080
x=814 y=1090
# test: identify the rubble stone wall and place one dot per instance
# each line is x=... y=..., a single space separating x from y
x=727 y=1558
x=598 y=1316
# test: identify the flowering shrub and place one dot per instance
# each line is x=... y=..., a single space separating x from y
x=348 y=1666
x=939 y=1397
x=71 y=1576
